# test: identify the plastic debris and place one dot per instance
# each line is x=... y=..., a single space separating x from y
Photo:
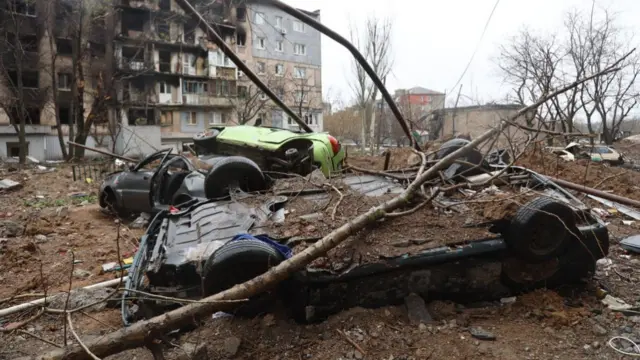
x=615 y=304
x=8 y=184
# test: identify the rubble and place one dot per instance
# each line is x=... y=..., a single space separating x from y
x=8 y=185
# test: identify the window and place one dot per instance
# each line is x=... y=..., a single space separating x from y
x=216 y=118
x=279 y=69
x=64 y=113
x=298 y=26
x=166 y=118
x=280 y=93
x=223 y=88
x=299 y=96
x=241 y=13
x=189 y=64
x=191 y=118
x=13 y=149
x=242 y=92
x=164 y=88
x=164 y=61
x=241 y=39
x=278 y=22
x=261 y=67
x=24 y=7
x=261 y=42
x=163 y=30
x=30 y=79
x=259 y=18
x=279 y=46
x=300 y=73
x=300 y=49
x=63 y=47
x=194 y=87
x=64 y=82
x=165 y=5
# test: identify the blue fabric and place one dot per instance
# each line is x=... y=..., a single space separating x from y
x=284 y=250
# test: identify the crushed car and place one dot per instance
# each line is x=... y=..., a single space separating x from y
x=523 y=232
x=274 y=149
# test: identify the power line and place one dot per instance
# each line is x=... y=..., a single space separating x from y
x=486 y=25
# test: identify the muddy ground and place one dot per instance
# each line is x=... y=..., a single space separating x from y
x=53 y=220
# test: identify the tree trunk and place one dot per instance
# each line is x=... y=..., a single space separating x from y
x=363 y=133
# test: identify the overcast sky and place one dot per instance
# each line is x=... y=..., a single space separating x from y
x=434 y=40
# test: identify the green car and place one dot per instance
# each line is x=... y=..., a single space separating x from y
x=274 y=150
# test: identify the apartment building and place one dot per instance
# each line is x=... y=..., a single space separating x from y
x=168 y=81
x=286 y=54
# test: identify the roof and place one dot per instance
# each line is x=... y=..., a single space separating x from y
x=418 y=90
x=486 y=107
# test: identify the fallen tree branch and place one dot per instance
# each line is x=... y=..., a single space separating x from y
x=75 y=335
x=141 y=332
x=353 y=343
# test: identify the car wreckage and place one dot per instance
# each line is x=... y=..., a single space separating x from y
x=519 y=232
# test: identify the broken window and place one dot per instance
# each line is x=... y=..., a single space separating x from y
x=190 y=34
x=30 y=79
x=97 y=50
x=64 y=113
x=63 y=47
x=299 y=96
x=64 y=81
x=166 y=118
x=280 y=93
x=132 y=21
x=13 y=149
x=164 y=60
x=241 y=39
x=163 y=29
x=279 y=69
x=22 y=7
x=261 y=67
x=133 y=58
x=241 y=13
x=300 y=49
x=165 y=5
x=242 y=92
x=141 y=117
x=29 y=43
x=261 y=43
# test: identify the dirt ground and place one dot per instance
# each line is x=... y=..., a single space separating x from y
x=53 y=220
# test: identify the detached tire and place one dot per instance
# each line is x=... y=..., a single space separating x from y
x=230 y=172
x=541 y=230
x=237 y=262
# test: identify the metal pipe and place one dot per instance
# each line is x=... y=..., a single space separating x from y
x=215 y=37
x=596 y=192
x=41 y=301
x=352 y=49
x=103 y=152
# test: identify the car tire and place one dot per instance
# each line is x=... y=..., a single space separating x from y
x=230 y=171
x=541 y=230
x=206 y=135
x=239 y=261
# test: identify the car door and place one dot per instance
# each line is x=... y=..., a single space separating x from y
x=135 y=186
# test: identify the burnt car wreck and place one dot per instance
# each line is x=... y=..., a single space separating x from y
x=540 y=236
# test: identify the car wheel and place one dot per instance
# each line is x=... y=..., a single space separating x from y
x=236 y=262
x=541 y=230
x=230 y=172
x=207 y=135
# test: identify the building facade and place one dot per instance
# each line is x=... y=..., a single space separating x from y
x=153 y=72
x=286 y=54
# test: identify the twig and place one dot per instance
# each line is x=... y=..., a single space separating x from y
x=335 y=208
x=66 y=302
x=40 y=338
x=97 y=320
x=353 y=343
x=416 y=208
x=86 y=349
x=13 y=327
x=609 y=178
x=182 y=301
x=622 y=276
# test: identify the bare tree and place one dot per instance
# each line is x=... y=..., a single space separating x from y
x=375 y=45
x=249 y=103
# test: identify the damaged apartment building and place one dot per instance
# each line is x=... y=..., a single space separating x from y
x=162 y=79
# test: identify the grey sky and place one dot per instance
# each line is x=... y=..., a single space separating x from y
x=434 y=40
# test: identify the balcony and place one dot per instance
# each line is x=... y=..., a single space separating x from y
x=227 y=73
x=138 y=97
x=133 y=65
x=205 y=100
